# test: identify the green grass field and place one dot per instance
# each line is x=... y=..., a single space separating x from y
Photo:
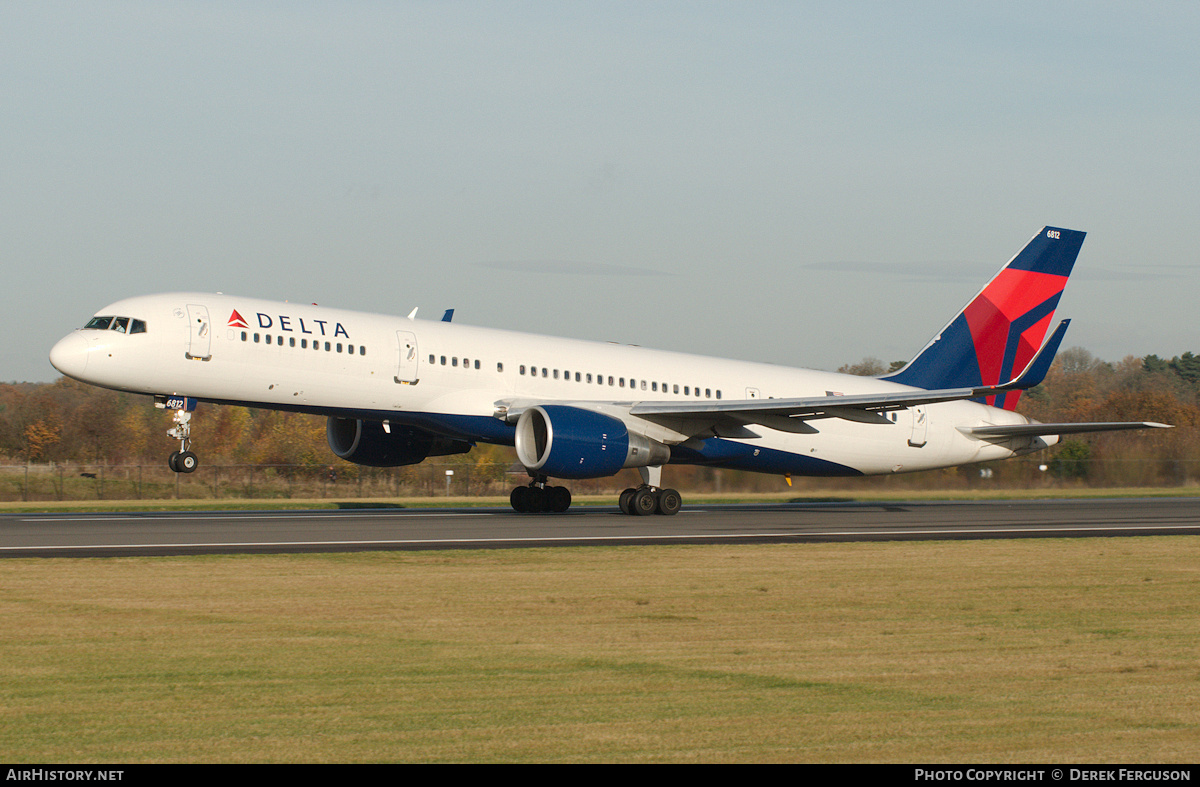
x=1063 y=650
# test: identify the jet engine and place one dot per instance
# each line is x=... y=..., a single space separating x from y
x=367 y=443
x=569 y=442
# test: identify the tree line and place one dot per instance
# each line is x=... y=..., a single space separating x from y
x=71 y=422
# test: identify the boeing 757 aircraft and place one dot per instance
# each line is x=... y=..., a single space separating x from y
x=399 y=390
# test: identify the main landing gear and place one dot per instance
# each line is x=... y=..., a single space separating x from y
x=650 y=497
x=541 y=498
x=650 y=500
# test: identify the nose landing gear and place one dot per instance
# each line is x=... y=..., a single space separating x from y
x=183 y=460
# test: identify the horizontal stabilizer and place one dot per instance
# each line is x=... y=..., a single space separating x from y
x=1036 y=430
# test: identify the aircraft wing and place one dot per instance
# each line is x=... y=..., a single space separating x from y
x=793 y=415
x=1037 y=430
x=868 y=408
x=729 y=418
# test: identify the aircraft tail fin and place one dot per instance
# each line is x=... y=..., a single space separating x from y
x=998 y=333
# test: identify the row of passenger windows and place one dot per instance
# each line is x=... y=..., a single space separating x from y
x=304 y=344
x=454 y=361
x=652 y=386
x=582 y=377
x=620 y=382
x=118 y=324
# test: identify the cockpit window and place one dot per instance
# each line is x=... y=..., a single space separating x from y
x=119 y=324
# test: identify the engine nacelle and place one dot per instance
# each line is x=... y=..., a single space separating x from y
x=366 y=443
x=569 y=442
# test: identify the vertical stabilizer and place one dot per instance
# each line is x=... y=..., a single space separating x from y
x=997 y=334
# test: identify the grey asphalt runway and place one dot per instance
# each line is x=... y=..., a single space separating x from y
x=181 y=533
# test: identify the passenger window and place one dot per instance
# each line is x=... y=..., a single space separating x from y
x=499 y=366
x=326 y=346
x=291 y=341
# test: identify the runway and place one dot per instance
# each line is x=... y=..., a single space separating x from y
x=231 y=532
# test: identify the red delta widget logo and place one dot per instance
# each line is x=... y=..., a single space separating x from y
x=289 y=324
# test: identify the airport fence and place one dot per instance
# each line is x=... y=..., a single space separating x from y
x=51 y=482
x=65 y=482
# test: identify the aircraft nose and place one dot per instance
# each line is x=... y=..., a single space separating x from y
x=70 y=355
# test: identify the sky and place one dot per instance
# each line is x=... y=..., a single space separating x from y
x=799 y=183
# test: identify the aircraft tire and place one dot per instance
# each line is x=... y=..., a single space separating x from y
x=558 y=498
x=644 y=502
x=187 y=462
x=173 y=461
x=669 y=502
x=626 y=501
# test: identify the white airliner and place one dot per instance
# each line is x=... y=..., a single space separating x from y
x=398 y=390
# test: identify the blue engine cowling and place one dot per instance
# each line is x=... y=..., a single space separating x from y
x=569 y=442
x=366 y=443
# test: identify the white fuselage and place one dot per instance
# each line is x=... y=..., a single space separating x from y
x=457 y=381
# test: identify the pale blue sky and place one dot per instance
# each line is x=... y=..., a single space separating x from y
x=805 y=184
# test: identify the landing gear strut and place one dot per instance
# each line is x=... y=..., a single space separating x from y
x=539 y=497
x=183 y=460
